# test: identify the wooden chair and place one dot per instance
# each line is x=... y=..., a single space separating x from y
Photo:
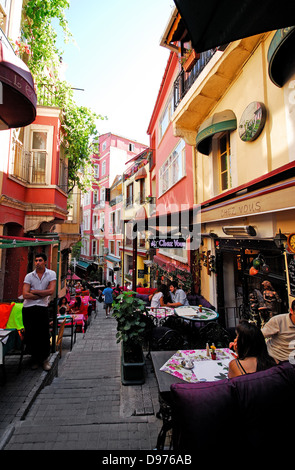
x=59 y=337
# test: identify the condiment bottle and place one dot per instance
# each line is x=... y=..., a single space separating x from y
x=207 y=348
x=200 y=308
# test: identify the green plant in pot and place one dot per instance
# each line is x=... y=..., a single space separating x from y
x=128 y=311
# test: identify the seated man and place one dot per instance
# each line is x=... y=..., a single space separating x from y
x=178 y=296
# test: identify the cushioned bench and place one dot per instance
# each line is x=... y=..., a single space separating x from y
x=254 y=411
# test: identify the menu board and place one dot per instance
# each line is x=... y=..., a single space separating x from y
x=291 y=273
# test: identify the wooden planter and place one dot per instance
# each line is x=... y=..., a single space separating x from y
x=191 y=61
x=132 y=373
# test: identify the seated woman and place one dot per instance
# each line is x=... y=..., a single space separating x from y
x=77 y=305
x=63 y=306
x=251 y=349
x=160 y=297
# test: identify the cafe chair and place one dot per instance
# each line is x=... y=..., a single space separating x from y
x=213 y=332
x=59 y=337
x=166 y=339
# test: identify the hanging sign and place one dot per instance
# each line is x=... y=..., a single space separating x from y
x=168 y=243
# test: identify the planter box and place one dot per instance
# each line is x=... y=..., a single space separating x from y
x=191 y=61
x=132 y=373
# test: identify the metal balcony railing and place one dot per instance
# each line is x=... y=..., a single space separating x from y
x=184 y=81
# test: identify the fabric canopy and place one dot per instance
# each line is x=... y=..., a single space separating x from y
x=219 y=122
x=281 y=56
x=73 y=277
x=215 y=23
x=18 y=100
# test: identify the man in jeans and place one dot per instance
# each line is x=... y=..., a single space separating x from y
x=38 y=286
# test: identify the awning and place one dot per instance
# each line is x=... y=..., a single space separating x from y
x=219 y=122
x=113 y=259
x=83 y=265
x=141 y=173
x=281 y=59
x=18 y=100
x=214 y=23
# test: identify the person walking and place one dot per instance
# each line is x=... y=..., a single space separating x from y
x=38 y=286
x=108 y=299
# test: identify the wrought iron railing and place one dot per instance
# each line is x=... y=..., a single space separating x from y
x=184 y=81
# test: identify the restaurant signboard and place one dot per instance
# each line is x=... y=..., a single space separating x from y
x=168 y=243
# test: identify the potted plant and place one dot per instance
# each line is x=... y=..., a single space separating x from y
x=128 y=311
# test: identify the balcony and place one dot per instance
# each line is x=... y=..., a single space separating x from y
x=184 y=81
x=196 y=94
x=47 y=95
x=30 y=167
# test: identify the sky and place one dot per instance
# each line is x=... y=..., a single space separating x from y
x=117 y=60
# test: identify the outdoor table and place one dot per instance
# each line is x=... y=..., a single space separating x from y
x=192 y=318
x=168 y=370
x=196 y=314
x=160 y=314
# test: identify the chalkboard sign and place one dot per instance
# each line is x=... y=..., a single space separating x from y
x=140 y=273
x=291 y=272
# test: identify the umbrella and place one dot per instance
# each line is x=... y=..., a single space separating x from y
x=73 y=277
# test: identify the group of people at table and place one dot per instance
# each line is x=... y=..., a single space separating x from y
x=254 y=348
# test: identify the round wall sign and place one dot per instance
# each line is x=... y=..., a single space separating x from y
x=252 y=121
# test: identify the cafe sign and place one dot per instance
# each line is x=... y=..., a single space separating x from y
x=252 y=121
x=168 y=243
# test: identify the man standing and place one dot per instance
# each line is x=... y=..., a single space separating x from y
x=178 y=296
x=280 y=334
x=108 y=299
x=38 y=286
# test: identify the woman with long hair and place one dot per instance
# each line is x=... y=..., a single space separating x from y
x=251 y=349
x=160 y=297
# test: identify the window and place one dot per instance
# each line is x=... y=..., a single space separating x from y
x=94 y=247
x=104 y=146
x=129 y=201
x=101 y=221
x=173 y=168
x=63 y=170
x=112 y=247
x=118 y=221
x=39 y=154
x=95 y=196
x=96 y=171
x=224 y=158
x=166 y=116
x=142 y=191
x=131 y=147
x=103 y=168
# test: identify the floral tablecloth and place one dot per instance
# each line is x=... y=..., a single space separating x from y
x=205 y=369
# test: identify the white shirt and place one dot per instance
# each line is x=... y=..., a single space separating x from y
x=179 y=297
x=280 y=332
x=155 y=302
x=39 y=284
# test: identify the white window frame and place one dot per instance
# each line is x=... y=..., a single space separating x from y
x=167 y=172
x=103 y=168
x=165 y=118
x=96 y=171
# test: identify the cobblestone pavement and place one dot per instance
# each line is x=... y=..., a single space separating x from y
x=85 y=407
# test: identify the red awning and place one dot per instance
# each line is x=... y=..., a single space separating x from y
x=18 y=100
x=141 y=173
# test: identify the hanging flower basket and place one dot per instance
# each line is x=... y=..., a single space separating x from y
x=191 y=61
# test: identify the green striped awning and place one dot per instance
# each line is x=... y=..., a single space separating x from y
x=280 y=56
x=218 y=122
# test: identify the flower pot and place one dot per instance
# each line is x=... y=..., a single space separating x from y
x=132 y=373
x=191 y=61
